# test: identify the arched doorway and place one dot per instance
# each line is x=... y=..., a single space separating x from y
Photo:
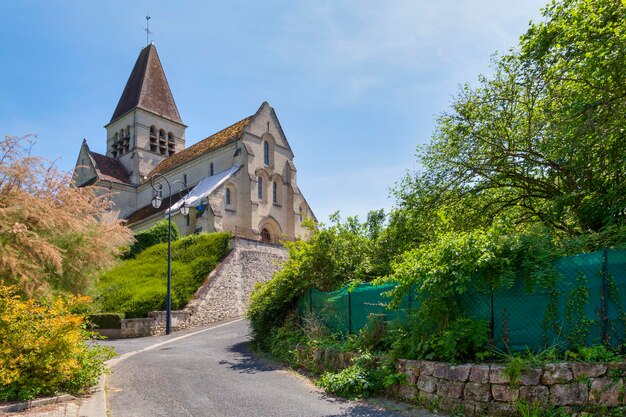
x=266 y=236
x=270 y=230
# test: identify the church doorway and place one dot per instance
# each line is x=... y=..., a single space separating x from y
x=270 y=230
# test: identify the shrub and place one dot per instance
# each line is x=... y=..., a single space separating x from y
x=352 y=382
x=332 y=257
x=463 y=339
x=368 y=375
x=138 y=286
x=44 y=348
x=105 y=320
x=152 y=236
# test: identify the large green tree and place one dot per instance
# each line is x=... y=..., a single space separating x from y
x=542 y=139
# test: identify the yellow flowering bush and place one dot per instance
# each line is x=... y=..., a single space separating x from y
x=44 y=347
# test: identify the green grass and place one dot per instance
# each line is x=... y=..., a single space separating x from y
x=137 y=286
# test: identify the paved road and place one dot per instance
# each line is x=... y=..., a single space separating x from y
x=212 y=373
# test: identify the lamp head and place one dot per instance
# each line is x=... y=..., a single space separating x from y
x=157 y=199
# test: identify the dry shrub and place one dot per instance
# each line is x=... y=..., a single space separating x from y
x=53 y=236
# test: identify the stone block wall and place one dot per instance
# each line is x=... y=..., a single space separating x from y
x=152 y=325
x=478 y=389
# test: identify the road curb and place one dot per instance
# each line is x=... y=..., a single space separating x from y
x=96 y=404
x=14 y=408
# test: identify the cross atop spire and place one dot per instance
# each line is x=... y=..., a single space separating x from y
x=147 y=30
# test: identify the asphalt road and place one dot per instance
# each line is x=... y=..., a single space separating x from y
x=212 y=373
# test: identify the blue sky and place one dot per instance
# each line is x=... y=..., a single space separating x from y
x=356 y=84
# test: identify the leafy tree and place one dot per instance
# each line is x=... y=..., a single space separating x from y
x=542 y=139
x=333 y=256
x=53 y=236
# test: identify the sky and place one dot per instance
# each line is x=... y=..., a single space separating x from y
x=356 y=85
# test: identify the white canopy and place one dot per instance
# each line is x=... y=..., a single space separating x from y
x=205 y=187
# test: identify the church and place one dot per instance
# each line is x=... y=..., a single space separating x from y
x=241 y=179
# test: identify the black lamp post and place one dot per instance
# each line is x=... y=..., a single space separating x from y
x=184 y=210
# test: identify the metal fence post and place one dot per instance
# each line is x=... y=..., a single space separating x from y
x=349 y=313
x=604 y=299
x=410 y=298
x=492 y=321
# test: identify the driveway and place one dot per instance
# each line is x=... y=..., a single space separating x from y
x=211 y=372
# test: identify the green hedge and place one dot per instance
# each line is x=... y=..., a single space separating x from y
x=152 y=236
x=137 y=286
x=105 y=320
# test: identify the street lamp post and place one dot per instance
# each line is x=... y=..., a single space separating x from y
x=184 y=210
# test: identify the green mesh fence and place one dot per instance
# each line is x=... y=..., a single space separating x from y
x=348 y=311
x=585 y=306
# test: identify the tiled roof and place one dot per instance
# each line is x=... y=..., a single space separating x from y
x=109 y=169
x=148 y=210
x=147 y=88
x=217 y=140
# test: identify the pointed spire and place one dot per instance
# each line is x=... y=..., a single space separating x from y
x=147 y=88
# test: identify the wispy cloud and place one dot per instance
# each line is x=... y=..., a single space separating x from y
x=367 y=42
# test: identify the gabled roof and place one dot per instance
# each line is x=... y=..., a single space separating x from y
x=217 y=140
x=109 y=169
x=147 y=88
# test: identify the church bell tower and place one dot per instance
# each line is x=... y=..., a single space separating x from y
x=146 y=127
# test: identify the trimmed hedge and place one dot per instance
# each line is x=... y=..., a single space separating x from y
x=105 y=320
x=152 y=236
x=137 y=286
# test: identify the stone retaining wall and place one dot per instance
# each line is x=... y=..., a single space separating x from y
x=152 y=325
x=486 y=389
x=223 y=295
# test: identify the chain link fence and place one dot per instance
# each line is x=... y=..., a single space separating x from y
x=583 y=306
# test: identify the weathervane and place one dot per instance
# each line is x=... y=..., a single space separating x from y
x=147 y=29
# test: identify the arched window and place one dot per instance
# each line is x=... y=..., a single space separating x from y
x=170 y=144
x=211 y=169
x=162 y=144
x=260 y=188
x=230 y=196
x=126 y=140
x=266 y=153
x=301 y=214
x=154 y=146
x=275 y=192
